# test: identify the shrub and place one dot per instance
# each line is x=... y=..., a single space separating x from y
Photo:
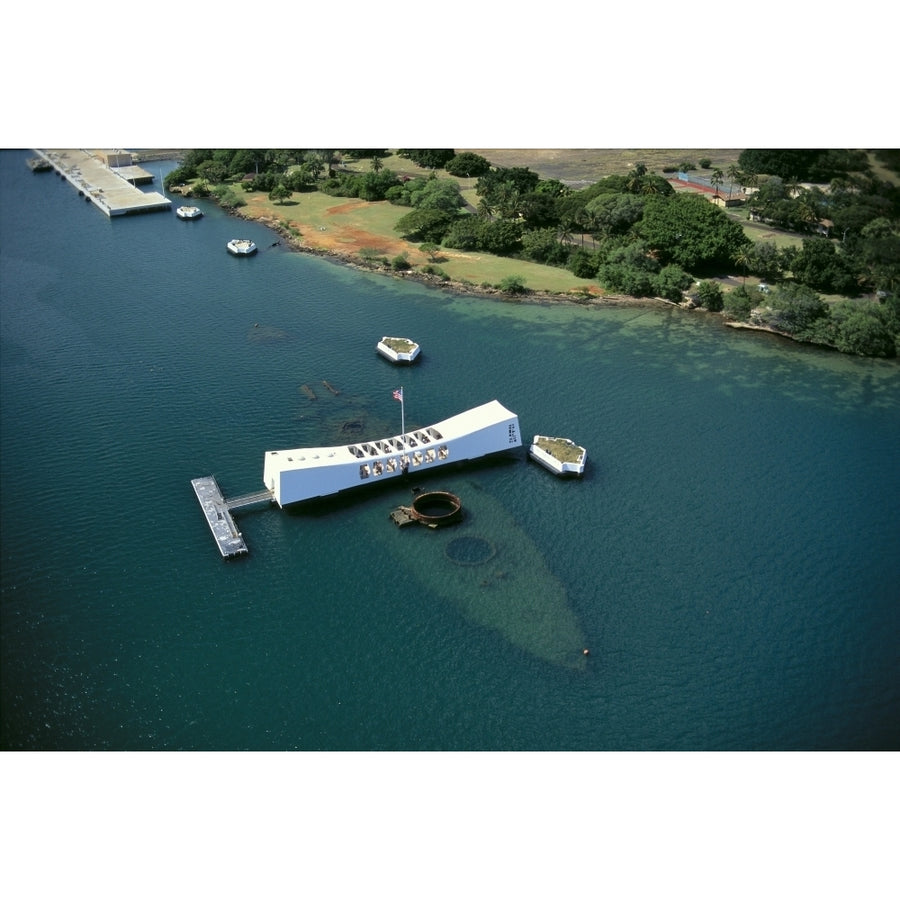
x=464 y=233
x=671 y=283
x=227 y=197
x=543 y=246
x=512 y=284
x=583 y=264
x=710 y=296
x=400 y=263
x=373 y=256
x=738 y=304
x=862 y=328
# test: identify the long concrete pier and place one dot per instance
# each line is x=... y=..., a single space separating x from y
x=112 y=189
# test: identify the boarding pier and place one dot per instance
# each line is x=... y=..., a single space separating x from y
x=108 y=179
x=218 y=514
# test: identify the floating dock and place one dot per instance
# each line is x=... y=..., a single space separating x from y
x=107 y=179
x=218 y=514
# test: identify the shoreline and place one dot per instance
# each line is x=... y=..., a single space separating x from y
x=597 y=301
x=354 y=261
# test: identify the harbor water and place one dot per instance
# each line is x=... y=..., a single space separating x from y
x=731 y=558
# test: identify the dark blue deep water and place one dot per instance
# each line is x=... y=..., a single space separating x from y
x=731 y=558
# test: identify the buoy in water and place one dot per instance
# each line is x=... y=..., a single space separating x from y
x=586 y=652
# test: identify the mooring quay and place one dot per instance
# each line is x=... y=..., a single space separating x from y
x=108 y=179
x=218 y=513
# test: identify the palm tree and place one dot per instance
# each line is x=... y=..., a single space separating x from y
x=589 y=221
x=564 y=229
x=734 y=173
x=716 y=179
x=742 y=258
x=635 y=177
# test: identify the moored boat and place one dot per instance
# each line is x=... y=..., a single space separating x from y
x=398 y=350
x=560 y=455
x=188 y=212
x=241 y=247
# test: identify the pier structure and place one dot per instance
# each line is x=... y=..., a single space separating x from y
x=218 y=510
x=108 y=179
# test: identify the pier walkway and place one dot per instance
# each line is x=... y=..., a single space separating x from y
x=111 y=190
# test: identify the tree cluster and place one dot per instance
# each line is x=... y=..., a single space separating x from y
x=632 y=233
x=861 y=327
x=855 y=213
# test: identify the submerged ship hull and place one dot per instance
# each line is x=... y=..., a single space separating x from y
x=307 y=473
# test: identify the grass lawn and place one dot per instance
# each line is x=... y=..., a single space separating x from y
x=350 y=226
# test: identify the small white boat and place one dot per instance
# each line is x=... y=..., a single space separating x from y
x=241 y=247
x=188 y=212
x=398 y=350
x=560 y=455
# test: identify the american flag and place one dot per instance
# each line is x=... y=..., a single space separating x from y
x=398 y=394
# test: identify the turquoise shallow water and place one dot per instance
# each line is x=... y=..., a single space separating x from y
x=731 y=558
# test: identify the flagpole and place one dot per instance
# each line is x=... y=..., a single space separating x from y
x=402 y=414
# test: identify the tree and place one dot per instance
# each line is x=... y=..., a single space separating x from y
x=795 y=309
x=501 y=237
x=464 y=233
x=742 y=259
x=716 y=179
x=819 y=266
x=738 y=304
x=879 y=253
x=672 y=282
x=583 y=264
x=503 y=188
x=615 y=213
x=432 y=249
x=428 y=159
x=765 y=261
x=634 y=177
x=314 y=163
x=467 y=165
x=425 y=225
x=437 y=193
x=245 y=162
x=279 y=193
x=783 y=163
x=543 y=246
x=688 y=230
x=212 y=171
x=863 y=329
